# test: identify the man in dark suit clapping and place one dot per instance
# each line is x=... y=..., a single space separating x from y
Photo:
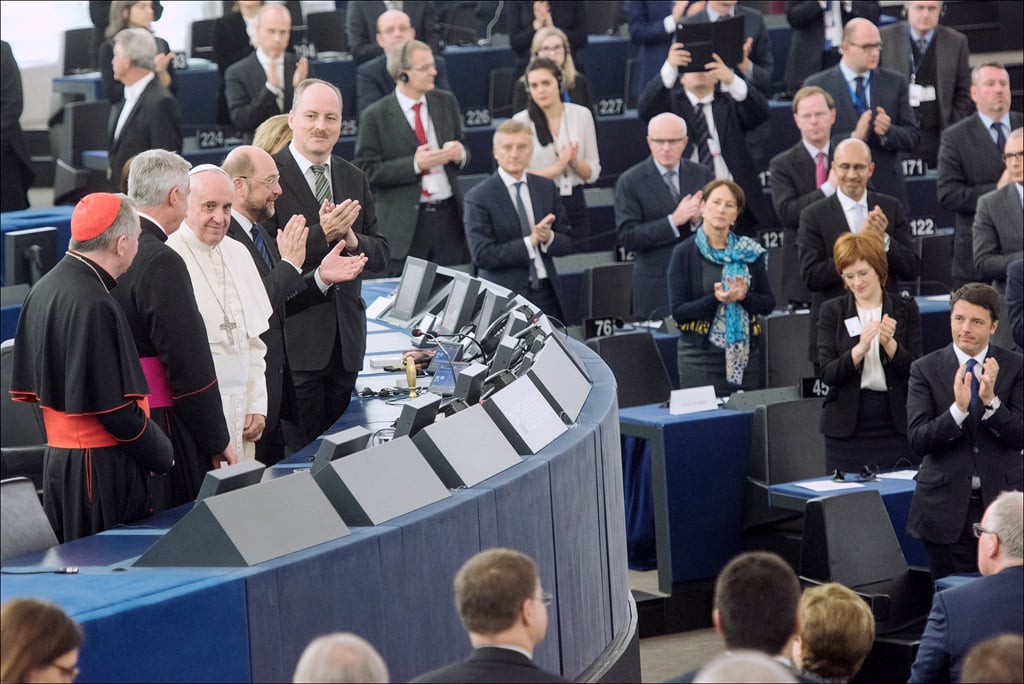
x=516 y=222
x=965 y=417
x=410 y=148
x=326 y=341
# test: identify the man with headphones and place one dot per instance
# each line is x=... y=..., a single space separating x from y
x=410 y=146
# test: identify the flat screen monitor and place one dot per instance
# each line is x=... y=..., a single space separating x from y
x=492 y=305
x=413 y=290
x=29 y=254
x=229 y=478
x=444 y=380
x=417 y=414
x=460 y=306
x=445 y=354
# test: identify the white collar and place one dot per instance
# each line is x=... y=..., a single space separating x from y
x=406 y=102
x=509 y=180
x=813 y=151
x=264 y=58
x=243 y=221
x=304 y=163
x=848 y=202
x=152 y=220
x=961 y=355
x=133 y=91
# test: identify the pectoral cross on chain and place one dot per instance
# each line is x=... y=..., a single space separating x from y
x=227 y=326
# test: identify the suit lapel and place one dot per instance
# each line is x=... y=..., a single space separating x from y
x=292 y=178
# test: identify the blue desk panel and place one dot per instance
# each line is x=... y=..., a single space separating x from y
x=896 y=494
x=697 y=469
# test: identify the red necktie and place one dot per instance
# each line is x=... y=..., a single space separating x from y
x=421 y=134
x=820 y=172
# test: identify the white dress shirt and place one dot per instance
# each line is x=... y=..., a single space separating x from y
x=535 y=254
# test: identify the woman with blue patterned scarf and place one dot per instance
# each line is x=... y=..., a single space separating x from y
x=718 y=285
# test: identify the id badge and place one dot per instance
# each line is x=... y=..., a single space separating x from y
x=915 y=95
x=714 y=148
x=928 y=94
x=853 y=326
x=564 y=185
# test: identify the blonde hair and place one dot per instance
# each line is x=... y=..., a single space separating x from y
x=568 y=67
x=273 y=135
x=837 y=631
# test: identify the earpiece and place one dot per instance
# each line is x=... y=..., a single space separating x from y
x=403 y=77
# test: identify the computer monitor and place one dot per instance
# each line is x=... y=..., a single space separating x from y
x=414 y=290
x=460 y=306
x=29 y=254
x=417 y=414
x=229 y=478
x=445 y=354
x=339 y=444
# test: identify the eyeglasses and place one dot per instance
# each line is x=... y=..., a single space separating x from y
x=859 y=168
x=545 y=598
x=979 y=530
x=553 y=48
x=868 y=47
x=270 y=182
x=666 y=141
x=1016 y=156
x=70 y=672
x=423 y=67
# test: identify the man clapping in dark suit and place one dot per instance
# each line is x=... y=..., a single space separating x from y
x=516 y=222
x=326 y=341
x=654 y=212
x=965 y=417
x=410 y=148
x=872 y=105
x=852 y=208
x=261 y=85
x=147 y=118
x=800 y=176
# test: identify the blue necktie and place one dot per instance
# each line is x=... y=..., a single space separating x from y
x=261 y=245
x=975 y=385
x=862 y=96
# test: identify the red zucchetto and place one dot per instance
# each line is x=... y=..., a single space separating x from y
x=94 y=214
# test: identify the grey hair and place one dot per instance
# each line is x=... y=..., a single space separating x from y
x=126 y=223
x=663 y=116
x=139 y=45
x=153 y=174
x=398 y=57
x=340 y=657
x=1006 y=519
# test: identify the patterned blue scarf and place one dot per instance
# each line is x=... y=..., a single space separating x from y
x=730 y=329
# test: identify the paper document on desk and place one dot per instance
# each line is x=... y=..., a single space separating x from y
x=827 y=485
x=898 y=475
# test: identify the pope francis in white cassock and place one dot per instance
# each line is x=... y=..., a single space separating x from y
x=232 y=300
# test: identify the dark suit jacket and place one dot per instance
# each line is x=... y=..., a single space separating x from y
x=807 y=37
x=340 y=318
x=153 y=123
x=385 y=149
x=570 y=17
x=647 y=29
x=951 y=453
x=361 y=26
x=1015 y=302
x=732 y=120
x=282 y=282
x=997 y=234
x=965 y=615
x=230 y=41
x=953 y=73
x=760 y=52
x=890 y=91
x=373 y=81
x=821 y=224
x=969 y=166
x=642 y=204
x=16 y=175
x=250 y=103
x=794 y=189
x=839 y=411
x=491 y=665
x=496 y=239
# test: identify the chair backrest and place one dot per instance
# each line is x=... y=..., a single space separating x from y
x=85 y=128
x=326 y=31
x=21 y=424
x=499 y=99
x=24 y=527
x=78 y=56
x=460 y=24
x=632 y=76
x=604 y=18
x=786 y=337
x=849 y=538
x=201 y=39
x=785 y=444
x=607 y=291
x=776 y=266
x=637 y=366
